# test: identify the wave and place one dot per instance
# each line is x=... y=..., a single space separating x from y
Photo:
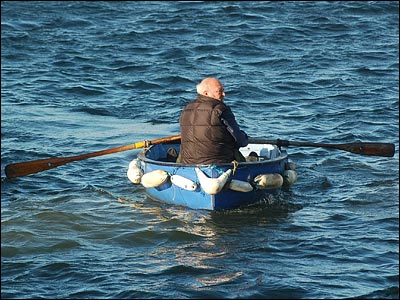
x=82 y=90
x=92 y=111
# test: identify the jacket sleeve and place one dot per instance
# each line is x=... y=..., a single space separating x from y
x=241 y=138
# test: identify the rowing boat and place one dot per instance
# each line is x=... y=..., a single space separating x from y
x=214 y=187
x=220 y=186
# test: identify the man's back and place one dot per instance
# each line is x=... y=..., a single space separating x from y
x=204 y=138
x=209 y=132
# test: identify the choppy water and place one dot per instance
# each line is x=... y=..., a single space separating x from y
x=79 y=77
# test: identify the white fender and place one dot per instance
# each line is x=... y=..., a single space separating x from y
x=289 y=177
x=212 y=186
x=183 y=182
x=269 y=181
x=134 y=173
x=154 y=178
x=291 y=166
x=240 y=186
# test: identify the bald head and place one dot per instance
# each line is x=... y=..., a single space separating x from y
x=211 y=87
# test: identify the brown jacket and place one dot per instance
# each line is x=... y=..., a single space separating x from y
x=204 y=138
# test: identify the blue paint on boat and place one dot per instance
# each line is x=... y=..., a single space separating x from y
x=156 y=158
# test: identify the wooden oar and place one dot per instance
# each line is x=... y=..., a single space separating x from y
x=374 y=149
x=35 y=166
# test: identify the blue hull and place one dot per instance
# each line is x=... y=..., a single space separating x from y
x=154 y=159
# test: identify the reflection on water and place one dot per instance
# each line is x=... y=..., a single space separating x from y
x=203 y=243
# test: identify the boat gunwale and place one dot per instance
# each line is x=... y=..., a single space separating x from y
x=142 y=156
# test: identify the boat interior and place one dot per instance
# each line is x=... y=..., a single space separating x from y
x=252 y=152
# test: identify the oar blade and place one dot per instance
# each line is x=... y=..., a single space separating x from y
x=373 y=149
x=31 y=167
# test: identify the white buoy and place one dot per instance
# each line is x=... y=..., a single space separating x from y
x=134 y=172
x=154 y=178
x=268 y=181
x=183 y=182
x=240 y=186
x=289 y=177
x=212 y=186
x=291 y=166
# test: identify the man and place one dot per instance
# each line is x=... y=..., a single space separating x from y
x=209 y=132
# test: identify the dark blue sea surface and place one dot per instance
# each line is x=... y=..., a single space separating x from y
x=83 y=76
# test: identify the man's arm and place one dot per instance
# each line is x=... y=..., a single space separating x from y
x=241 y=138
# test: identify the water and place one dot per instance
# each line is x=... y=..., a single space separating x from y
x=79 y=77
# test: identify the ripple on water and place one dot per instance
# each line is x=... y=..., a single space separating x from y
x=79 y=77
